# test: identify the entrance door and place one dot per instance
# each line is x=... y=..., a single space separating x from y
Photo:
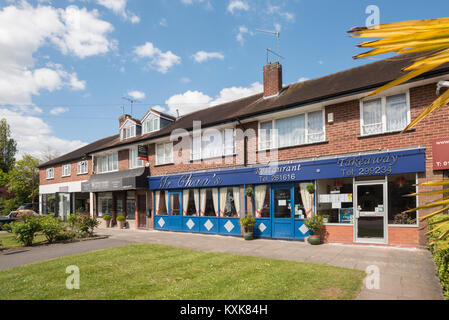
x=175 y=210
x=370 y=222
x=142 y=210
x=282 y=211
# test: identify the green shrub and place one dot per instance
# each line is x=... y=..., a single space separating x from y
x=7 y=227
x=51 y=227
x=65 y=236
x=82 y=224
x=248 y=221
x=120 y=218
x=26 y=229
x=440 y=254
x=107 y=217
x=314 y=223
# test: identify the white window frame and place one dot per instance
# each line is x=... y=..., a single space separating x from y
x=50 y=173
x=83 y=167
x=223 y=146
x=166 y=160
x=384 y=117
x=66 y=168
x=137 y=163
x=100 y=162
x=274 y=136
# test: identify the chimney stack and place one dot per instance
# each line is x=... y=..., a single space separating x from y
x=122 y=119
x=272 y=79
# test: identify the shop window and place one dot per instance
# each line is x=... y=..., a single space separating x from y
x=49 y=204
x=398 y=187
x=190 y=202
x=335 y=200
x=161 y=202
x=104 y=204
x=130 y=205
x=230 y=202
x=262 y=201
x=209 y=202
x=119 y=207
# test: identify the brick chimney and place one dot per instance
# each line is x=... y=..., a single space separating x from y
x=122 y=119
x=272 y=79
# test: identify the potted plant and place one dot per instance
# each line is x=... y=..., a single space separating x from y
x=326 y=218
x=314 y=224
x=121 y=221
x=249 y=192
x=107 y=220
x=247 y=224
x=310 y=188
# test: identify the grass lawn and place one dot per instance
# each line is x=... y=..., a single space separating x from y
x=149 y=271
x=9 y=240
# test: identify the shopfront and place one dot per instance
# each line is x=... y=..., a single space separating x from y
x=352 y=192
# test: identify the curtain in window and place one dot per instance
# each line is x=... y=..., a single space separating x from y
x=160 y=153
x=168 y=152
x=212 y=144
x=185 y=200
x=157 y=200
x=215 y=199
x=372 y=116
x=223 y=200
x=291 y=131
x=203 y=201
x=166 y=201
x=307 y=199
x=195 y=198
x=236 y=194
x=259 y=192
x=265 y=135
x=315 y=126
x=396 y=112
x=229 y=142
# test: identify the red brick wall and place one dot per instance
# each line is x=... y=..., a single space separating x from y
x=403 y=236
x=272 y=79
x=74 y=176
x=339 y=234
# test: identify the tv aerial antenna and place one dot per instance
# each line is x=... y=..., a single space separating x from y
x=131 y=101
x=277 y=36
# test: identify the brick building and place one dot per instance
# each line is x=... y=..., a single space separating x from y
x=321 y=135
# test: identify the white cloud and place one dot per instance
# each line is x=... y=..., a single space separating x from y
x=137 y=95
x=243 y=30
x=237 y=5
x=277 y=10
x=190 y=101
x=59 y=110
x=119 y=8
x=34 y=136
x=185 y=80
x=202 y=56
x=302 y=79
x=160 y=61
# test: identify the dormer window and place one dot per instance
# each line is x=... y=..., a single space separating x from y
x=130 y=129
x=151 y=124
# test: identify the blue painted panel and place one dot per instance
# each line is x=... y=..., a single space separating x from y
x=262 y=228
x=282 y=227
x=191 y=224
x=229 y=226
x=300 y=227
x=209 y=224
x=161 y=222
x=174 y=223
x=381 y=163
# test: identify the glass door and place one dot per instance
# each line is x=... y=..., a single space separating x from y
x=175 y=209
x=370 y=224
x=282 y=211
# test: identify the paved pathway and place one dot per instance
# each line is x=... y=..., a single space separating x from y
x=404 y=273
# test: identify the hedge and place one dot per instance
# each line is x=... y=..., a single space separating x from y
x=440 y=256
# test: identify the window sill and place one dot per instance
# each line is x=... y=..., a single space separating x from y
x=82 y=174
x=213 y=157
x=403 y=225
x=295 y=146
x=50 y=178
x=383 y=134
x=164 y=164
x=66 y=176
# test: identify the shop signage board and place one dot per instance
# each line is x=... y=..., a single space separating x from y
x=142 y=152
x=440 y=154
x=382 y=163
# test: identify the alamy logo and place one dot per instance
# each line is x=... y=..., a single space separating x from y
x=372 y=281
x=73 y=280
x=373 y=20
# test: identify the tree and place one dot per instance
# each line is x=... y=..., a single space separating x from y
x=429 y=38
x=8 y=147
x=24 y=179
x=49 y=154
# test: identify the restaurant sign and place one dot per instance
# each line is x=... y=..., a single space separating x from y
x=386 y=163
x=440 y=154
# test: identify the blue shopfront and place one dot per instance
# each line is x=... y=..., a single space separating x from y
x=282 y=196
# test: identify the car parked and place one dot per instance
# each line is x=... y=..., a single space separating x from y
x=26 y=209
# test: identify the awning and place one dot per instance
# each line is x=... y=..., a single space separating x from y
x=116 y=181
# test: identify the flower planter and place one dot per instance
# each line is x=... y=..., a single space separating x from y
x=121 y=224
x=314 y=239
x=107 y=223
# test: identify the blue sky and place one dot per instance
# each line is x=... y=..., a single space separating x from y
x=65 y=65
